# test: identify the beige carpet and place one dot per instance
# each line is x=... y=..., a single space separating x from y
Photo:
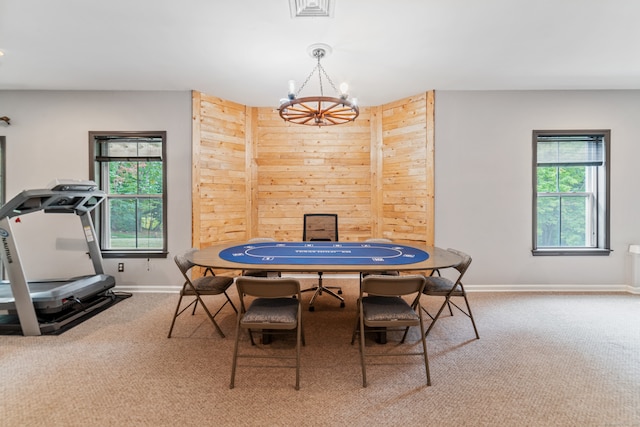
x=542 y=360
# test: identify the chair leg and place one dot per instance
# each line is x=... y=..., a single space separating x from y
x=298 y=340
x=212 y=317
x=473 y=322
x=230 y=302
x=357 y=325
x=435 y=318
x=175 y=316
x=251 y=337
x=406 y=332
x=448 y=303
x=320 y=289
x=423 y=337
x=428 y=314
x=362 y=345
x=235 y=353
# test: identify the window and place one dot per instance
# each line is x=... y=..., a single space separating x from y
x=2 y=186
x=571 y=192
x=130 y=168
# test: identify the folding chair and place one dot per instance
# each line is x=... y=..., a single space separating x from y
x=207 y=285
x=384 y=272
x=321 y=228
x=444 y=287
x=381 y=306
x=272 y=311
x=261 y=273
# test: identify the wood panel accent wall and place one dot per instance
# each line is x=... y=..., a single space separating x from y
x=255 y=175
x=219 y=174
x=306 y=169
x=407 y=185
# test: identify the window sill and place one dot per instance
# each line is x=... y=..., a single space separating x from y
x=134 y=254
x=571 y=252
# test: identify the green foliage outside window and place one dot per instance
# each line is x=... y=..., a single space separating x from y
x=562 y=217
x=136 y=222
x=130 y=167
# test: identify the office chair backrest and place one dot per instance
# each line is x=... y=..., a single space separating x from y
x=320 y=227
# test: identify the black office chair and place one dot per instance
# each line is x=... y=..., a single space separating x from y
x=323 y=228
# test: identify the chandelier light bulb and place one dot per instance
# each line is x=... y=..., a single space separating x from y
x=292 y=89
x=344 y=90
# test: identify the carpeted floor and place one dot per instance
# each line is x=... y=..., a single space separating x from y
x=542 y=360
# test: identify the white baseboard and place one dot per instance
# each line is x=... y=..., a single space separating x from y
x=147 y=289
x=469 y=287
x=551 y=288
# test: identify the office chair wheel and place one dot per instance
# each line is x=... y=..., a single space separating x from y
x=340 y=291
x=312 y=308
x=342 y=304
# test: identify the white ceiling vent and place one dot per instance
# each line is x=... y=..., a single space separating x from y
x=311 y=8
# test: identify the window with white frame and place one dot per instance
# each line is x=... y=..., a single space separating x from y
x=130 y=168
x=571 y=192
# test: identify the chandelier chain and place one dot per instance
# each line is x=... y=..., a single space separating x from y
x=327 y=77
x=307 y=80
x=318 y=54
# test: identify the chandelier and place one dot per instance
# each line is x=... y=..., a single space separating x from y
x=319 y=110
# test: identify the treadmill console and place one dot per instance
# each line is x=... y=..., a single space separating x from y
x=72 y=185
x=63 y=196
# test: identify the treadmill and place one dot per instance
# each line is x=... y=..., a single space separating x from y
x=47 y=306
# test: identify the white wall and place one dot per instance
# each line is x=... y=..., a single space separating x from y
x=484 y=183
x=483 y=175
x=48 y=139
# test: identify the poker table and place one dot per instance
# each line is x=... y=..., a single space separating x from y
x=323 y=256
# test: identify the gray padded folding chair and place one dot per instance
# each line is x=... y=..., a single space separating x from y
x=271 y=310
x=384 y=272
x=439 y=286
x=261 y=273
x=209 y=284
x=381 y=306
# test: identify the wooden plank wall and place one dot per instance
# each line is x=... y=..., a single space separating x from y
x=306 y=169
x=219 y=190
x=255 y=175
x=407 y=185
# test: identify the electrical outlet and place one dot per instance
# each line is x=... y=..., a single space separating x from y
x=120 y=267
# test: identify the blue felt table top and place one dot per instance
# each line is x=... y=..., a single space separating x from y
x=324 y=253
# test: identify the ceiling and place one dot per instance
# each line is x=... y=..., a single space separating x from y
x=247 y=50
